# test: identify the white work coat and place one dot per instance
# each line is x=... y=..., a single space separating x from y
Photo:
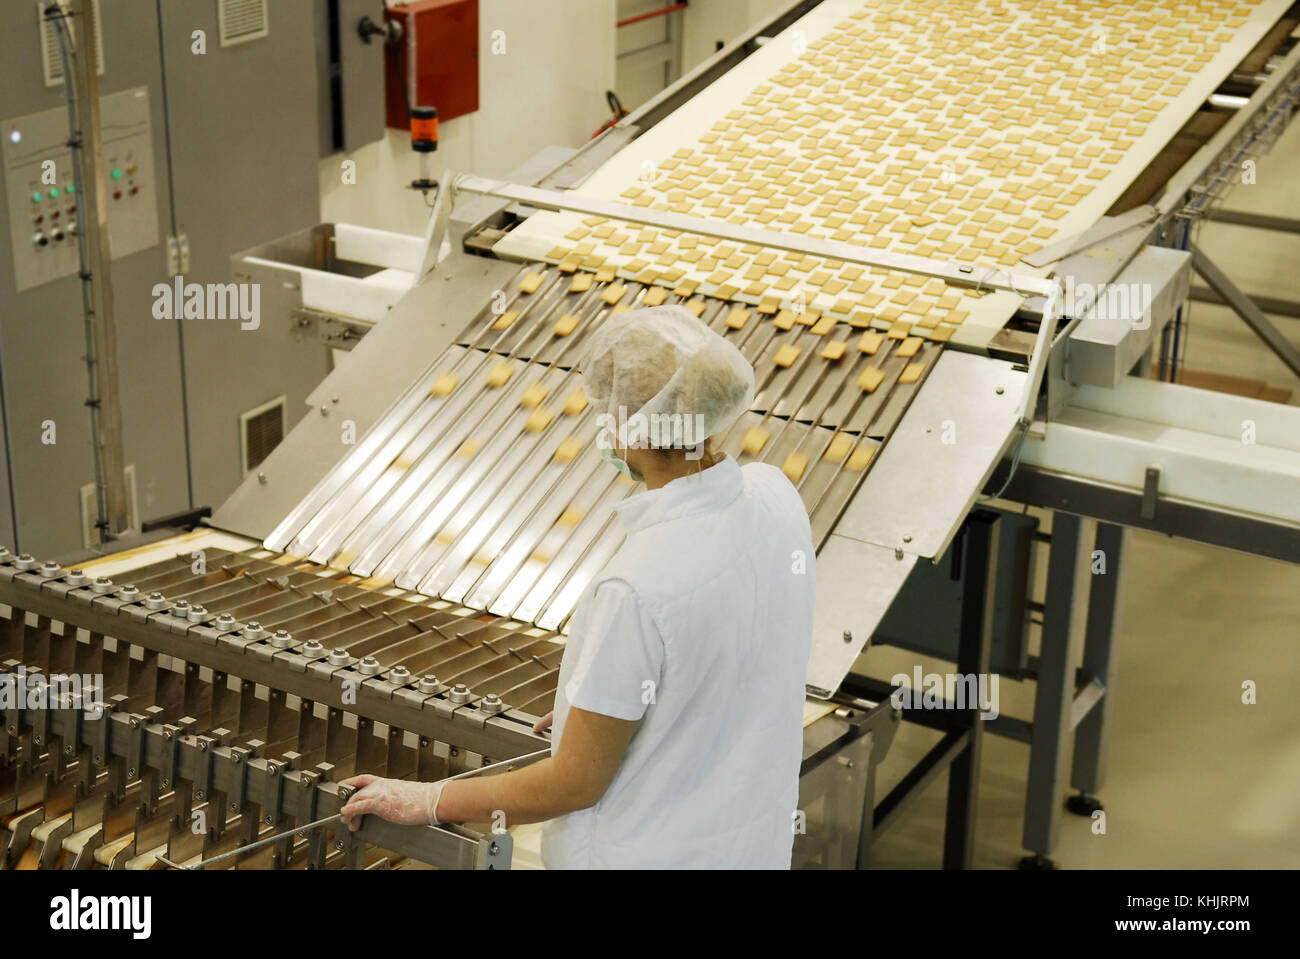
x=700 y=628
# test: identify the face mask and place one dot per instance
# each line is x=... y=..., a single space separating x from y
x=608 y=454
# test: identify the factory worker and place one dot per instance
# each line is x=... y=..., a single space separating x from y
x=678 y=712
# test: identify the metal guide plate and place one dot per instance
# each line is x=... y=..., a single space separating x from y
x=856 y=583
x=939 y=456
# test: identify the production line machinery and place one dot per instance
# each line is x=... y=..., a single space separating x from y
x=389 y=591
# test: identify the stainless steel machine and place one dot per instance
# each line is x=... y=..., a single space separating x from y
x=389 y=590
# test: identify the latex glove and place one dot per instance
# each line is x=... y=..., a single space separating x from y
x=544 y=723
x=396 y=800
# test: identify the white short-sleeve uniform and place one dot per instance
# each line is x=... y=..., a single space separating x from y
x=700 y=627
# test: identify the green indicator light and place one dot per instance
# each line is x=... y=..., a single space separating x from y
x=36 y=198
x=54 y=193
x=72 y=188
x=117 y=174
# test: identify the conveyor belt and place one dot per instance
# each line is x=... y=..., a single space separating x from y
x=241 y=687
x=975 y=132
x=483 y=485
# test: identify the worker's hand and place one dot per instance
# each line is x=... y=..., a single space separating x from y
x=544 y=723
x=396 y=800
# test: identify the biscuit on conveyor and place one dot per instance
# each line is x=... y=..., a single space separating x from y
x=539 y=420
x=839 y=448
x=567 y=450
x=570 y=517
x=861 y=457
x=786 y=355
x=794 y=466
x=533 y=395
x=909 y=346
x=871 y=377
x=870 y=342
x=754 y=441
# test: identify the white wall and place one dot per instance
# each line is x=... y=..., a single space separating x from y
x=705 y=22
x=548 y=87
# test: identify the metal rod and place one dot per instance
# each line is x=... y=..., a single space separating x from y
x=277 y=837
x=93 y=226
x=1246 y=309
x=978 y=277
x=253 y=845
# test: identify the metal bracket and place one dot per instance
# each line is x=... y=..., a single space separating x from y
x=1150 y=490
x=336 y=331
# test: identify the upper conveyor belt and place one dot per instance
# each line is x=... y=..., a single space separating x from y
x=960 y=129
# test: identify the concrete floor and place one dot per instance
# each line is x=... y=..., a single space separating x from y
x=1195 y=778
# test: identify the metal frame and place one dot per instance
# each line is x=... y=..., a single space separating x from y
x=119 y=747
x=962 y=743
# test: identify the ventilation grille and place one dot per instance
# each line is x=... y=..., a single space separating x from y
x=260 y=431
x=52 y=57
x=242 y=20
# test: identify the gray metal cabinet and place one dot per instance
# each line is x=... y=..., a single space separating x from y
x=226 y=152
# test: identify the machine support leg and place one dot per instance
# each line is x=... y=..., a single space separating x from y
x=1092 y=732
x=978 y=583
x=1067 y=569
x=1244 y=307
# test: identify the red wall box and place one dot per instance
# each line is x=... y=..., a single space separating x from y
x=439 y=47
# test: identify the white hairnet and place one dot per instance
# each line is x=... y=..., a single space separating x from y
x=685 y=381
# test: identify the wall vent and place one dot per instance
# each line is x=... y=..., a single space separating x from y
x=242 y=20
x=51 y=57
x=260 y=431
